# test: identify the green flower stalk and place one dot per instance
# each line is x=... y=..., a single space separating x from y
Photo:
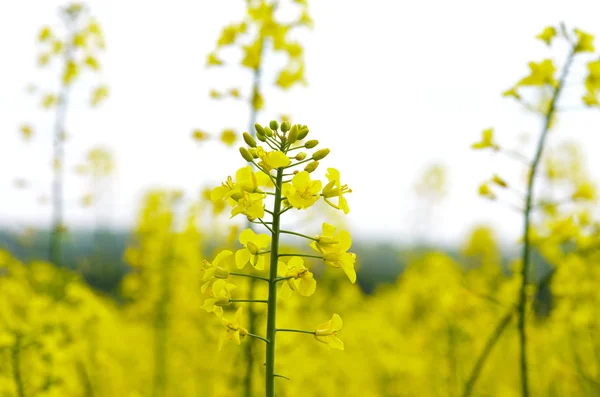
x=246 y=195
x=541 y=77
x=76 y=51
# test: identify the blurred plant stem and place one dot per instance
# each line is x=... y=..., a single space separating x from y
x=161 y=324
x=487 y=349
x=57 y=229
x=526 y=253
x=16 y=366
x=249 y=353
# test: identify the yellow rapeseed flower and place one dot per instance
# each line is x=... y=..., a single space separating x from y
x=487 y=140
x=302 y=192
x=300 y=278
x=253 y=245
x=233 y=330
x=547 y=35
x=327 y=332
x=333 y=248
x=335 y=189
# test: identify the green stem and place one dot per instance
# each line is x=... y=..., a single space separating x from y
x=55 y=254
x=16 y=366
x=285 y=210
x=303 y=255
x=522 y=297
x=299 y=331
x=258 y=337
x=272 y=305
x=248 y=301
x=281 y=376
x=265 y=225
x=298 y=163
x=299 y=234
x=248 y=275
x=487 y=349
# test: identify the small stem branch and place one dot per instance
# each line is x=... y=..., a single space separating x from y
x=298 y=331
x=265 y=225
x=298 y=163
x=487 y=349
x=258 y=337
x=248 y=275
x=248 y=301
x=303 y=255
x=281 y=376
x=299 y=234
x=526 y=257
x=285 y=210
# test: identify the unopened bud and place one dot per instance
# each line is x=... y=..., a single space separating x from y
x=285 y=126
x=320 y=154
x=246 y=154
x=293 y=135
x=311 y=166
x=300 y=156
x=261 y=136
x=249 y=140
x=253 y=152
x=268 y=132
x=259 y=129
x=302 y=132
x=311 y=144
x=274 y=125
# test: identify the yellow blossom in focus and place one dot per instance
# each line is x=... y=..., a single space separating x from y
x=327 y=332
x=273 y=159
x=302 y=192
x=219 y=295
x=335 y=189
x=218 y=269
x=299 y=278
x=251 y=205
x=333 y=248
x=253 y=244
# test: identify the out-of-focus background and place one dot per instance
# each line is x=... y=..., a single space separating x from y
x=148 y=124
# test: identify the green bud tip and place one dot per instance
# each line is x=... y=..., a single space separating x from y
x=300 y=156
x=274 y=125
x=268 y=132
x=320 y=154
x=311 y=144
x=293 y=135
x=302 y=132
x=249 y=140
x=285 y=126
x=246 y=154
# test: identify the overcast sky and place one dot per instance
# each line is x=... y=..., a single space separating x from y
x=394 y=86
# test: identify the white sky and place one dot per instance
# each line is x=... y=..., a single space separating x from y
x=393 y=87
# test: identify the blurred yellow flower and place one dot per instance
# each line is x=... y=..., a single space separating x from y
x=233 y=330
x=228 y=137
